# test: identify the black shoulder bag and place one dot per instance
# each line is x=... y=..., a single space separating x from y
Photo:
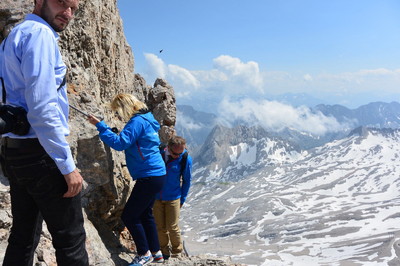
x=12 y=118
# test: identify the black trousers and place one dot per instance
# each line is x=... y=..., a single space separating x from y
x=138 y=213
x=37 y=188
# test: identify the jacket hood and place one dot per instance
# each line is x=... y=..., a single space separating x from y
x=150 y=118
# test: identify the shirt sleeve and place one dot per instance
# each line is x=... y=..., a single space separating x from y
x=186 y=180
x=39 y=62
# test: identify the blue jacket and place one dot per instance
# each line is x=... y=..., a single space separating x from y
x=172 y=189
x=139 y=139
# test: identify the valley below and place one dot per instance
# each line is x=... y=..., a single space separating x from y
x=335 y=205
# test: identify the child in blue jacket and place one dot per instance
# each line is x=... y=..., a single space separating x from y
x=171 y=198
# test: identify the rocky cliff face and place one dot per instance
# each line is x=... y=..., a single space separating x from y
x=100 y=64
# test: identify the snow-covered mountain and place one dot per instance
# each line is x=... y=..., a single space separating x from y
x=232 y=154
x=195 y=125
x=334 y=205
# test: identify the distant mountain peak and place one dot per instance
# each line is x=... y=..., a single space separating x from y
x=360 y=131
x=365 y=131
x=240 y=151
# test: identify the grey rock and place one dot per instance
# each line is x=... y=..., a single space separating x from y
x=100 y=64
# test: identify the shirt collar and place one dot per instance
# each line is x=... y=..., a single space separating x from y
x=40 y=20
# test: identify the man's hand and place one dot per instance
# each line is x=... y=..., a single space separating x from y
x=74 y=181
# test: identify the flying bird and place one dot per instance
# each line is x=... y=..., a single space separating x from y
x=161 y=51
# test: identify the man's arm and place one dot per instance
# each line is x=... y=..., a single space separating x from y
x=45 y=113
x=47 y=108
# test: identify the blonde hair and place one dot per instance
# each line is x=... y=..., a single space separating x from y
x=127 y=105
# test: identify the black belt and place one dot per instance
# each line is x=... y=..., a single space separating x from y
x=31 y=144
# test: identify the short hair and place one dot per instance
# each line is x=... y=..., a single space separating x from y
x=176 y=141
x=127 y=105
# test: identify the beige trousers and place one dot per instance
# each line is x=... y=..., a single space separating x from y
x=166 y=215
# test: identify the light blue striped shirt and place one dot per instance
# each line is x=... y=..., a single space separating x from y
x=32 y=67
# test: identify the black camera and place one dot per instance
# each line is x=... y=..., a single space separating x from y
x=13 y=119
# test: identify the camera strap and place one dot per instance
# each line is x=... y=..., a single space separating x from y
x=4 y=90
x=4 y=87
x=63 y=81
x=1 y=78
x=4 y=43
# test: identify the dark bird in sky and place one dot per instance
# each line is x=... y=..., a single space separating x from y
x=161 y=51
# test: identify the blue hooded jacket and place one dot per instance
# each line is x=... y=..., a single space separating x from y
x=173 y=187
x=140 y=141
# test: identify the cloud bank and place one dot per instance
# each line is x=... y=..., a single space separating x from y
x=241 y=90
x=230 y=76
x=187 y=123
x=277 y=116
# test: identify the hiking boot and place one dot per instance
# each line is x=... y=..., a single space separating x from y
x=158 y=257
x=141 y=260
x=176 y=255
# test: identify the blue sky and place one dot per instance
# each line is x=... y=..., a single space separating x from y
x=339 y=51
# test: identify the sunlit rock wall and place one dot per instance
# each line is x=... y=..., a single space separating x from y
x=100 y=64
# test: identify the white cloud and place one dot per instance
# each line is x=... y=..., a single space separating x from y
x=229 y=74
x=232 y=77
x=277 y=116
x=209 y=77
x=156 y=67
x=246 y=73
x=186 y=122
x=183 y=76
x=365 y=79
x=378 y=72
x=307 y=77
x=177 y=76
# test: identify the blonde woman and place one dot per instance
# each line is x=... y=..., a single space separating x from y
x=140 y=141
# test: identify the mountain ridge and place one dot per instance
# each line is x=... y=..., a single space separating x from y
x=334 y=204
x=374 y=114
x=249 y=147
